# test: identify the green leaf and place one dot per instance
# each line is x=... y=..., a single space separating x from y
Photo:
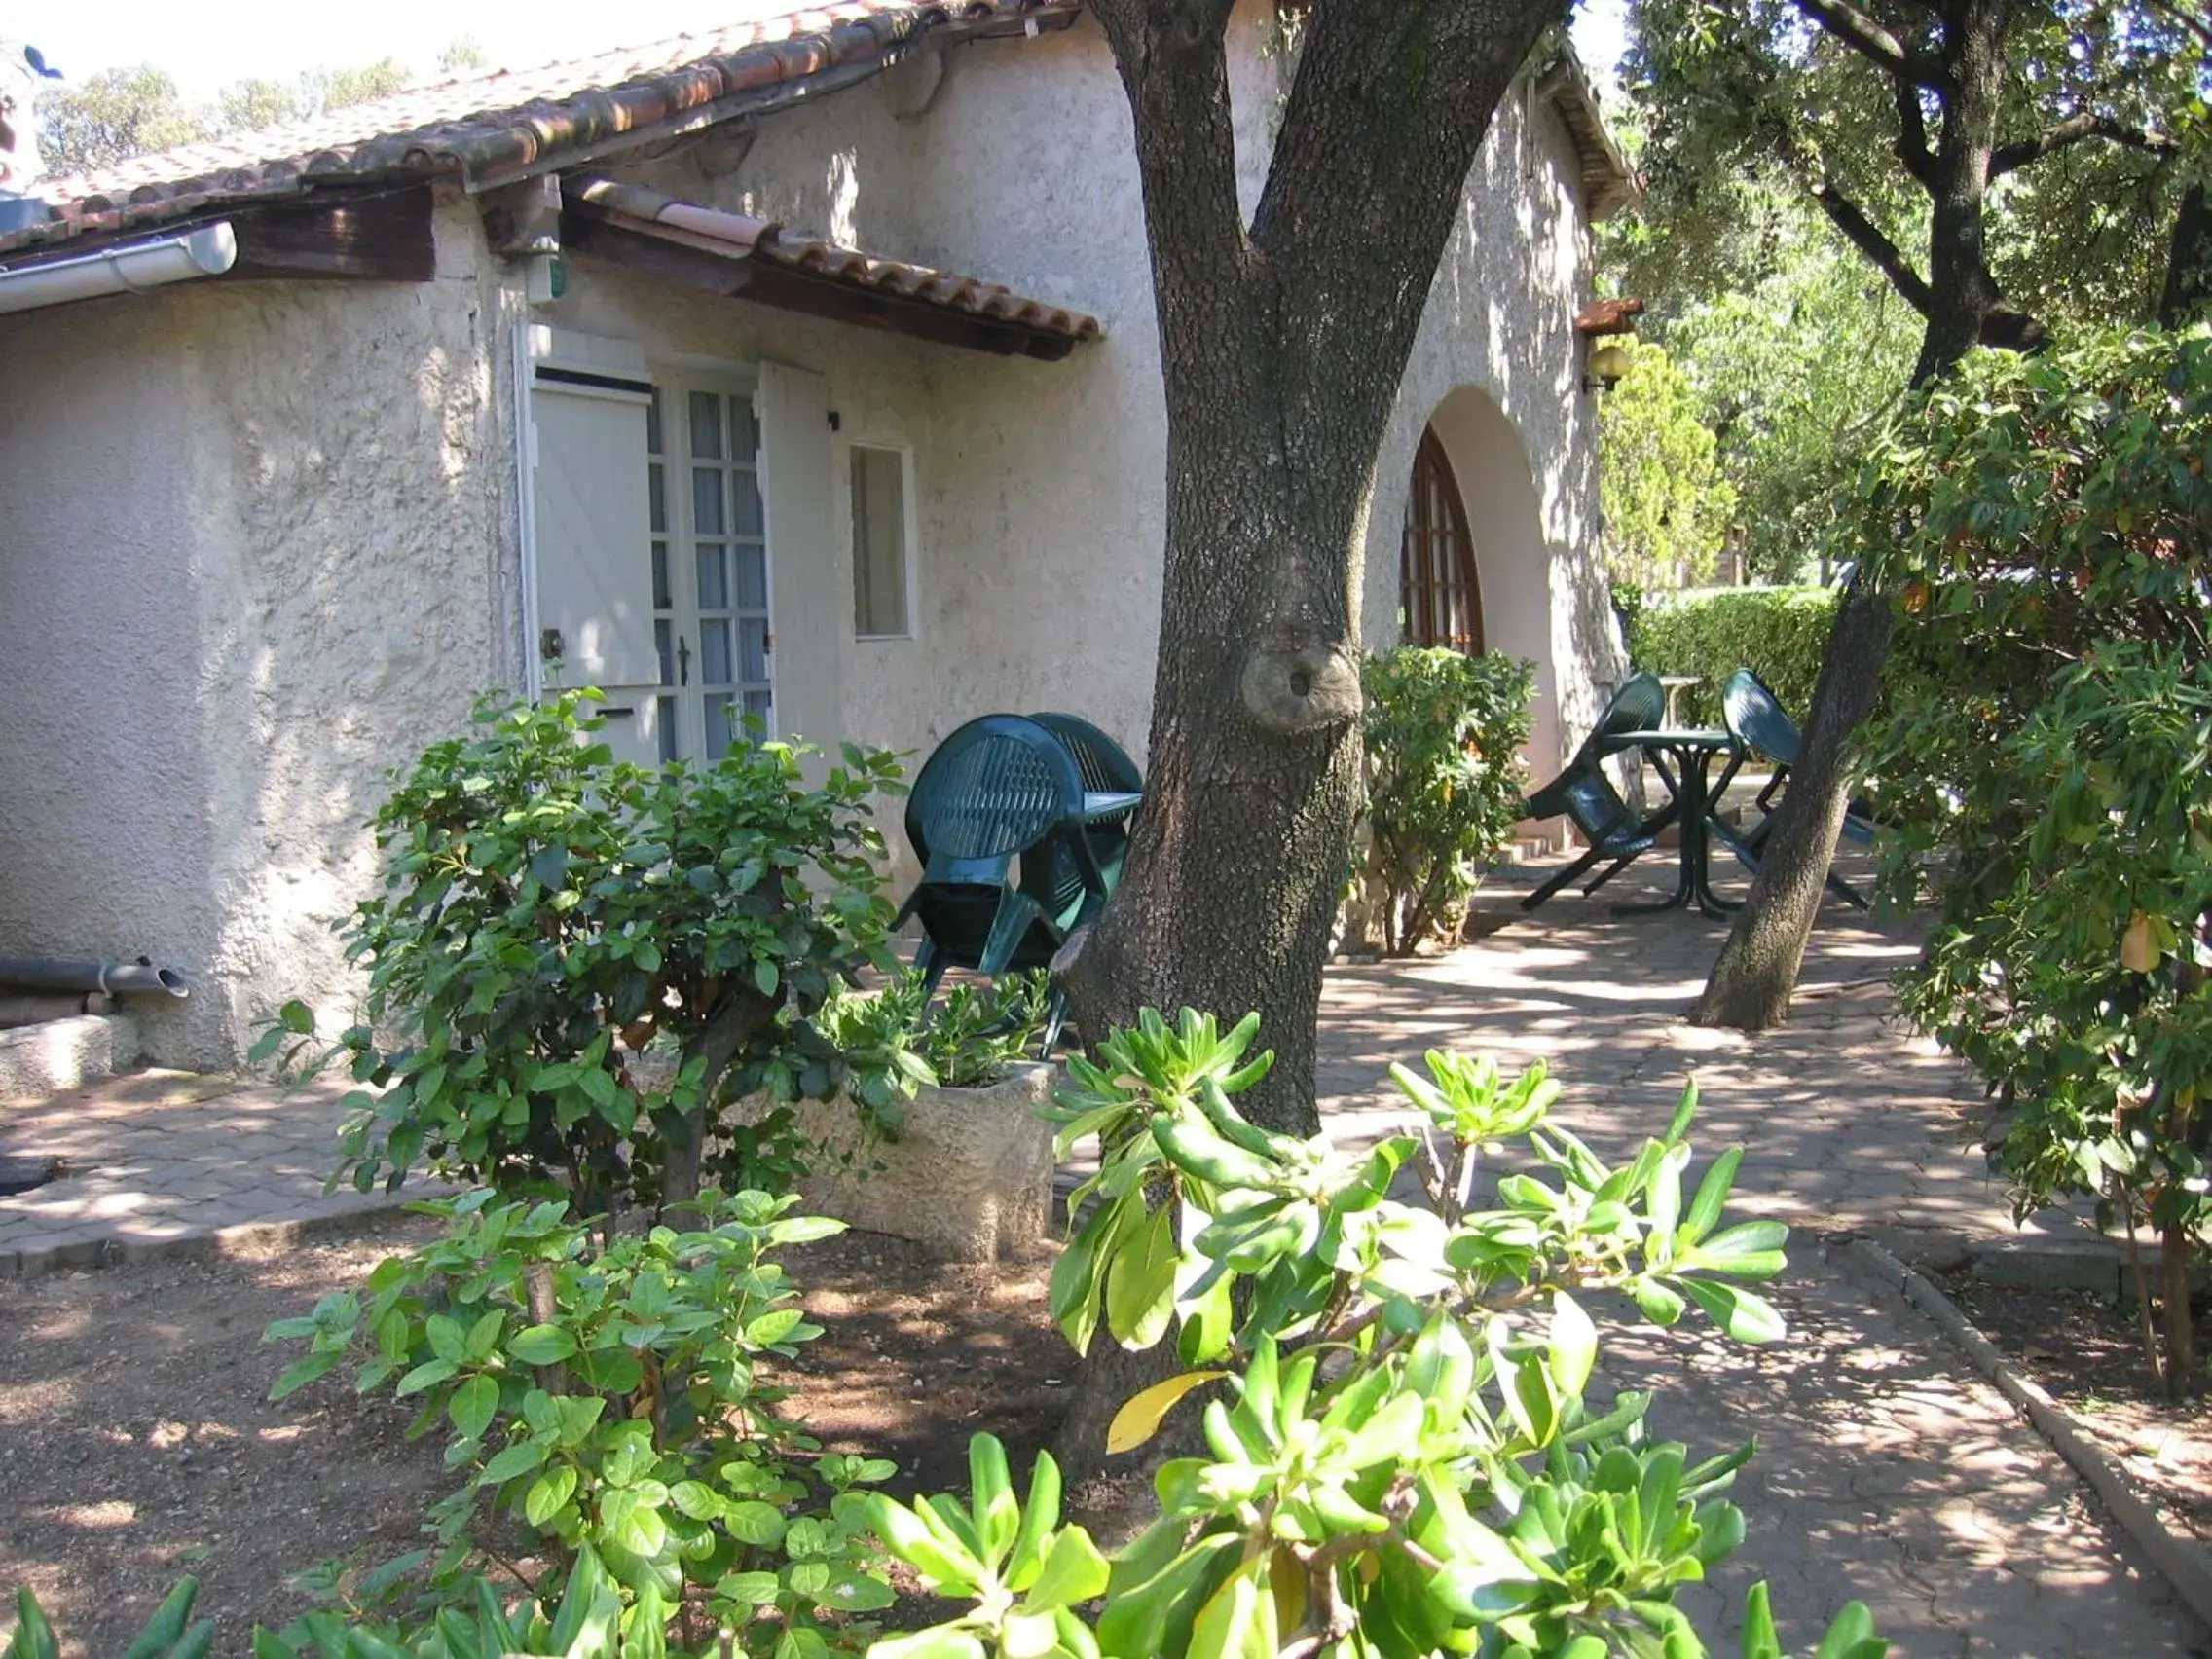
x=1573 y=1344
x=696 y=1499
x=1711 y=1196
x=427 y=1375
x=297 y=1017
x=541 y=1345
x=1141 y=1414
x=749 y=1589
x=773 y=1326
x=1074 y=1572
x=307 y=1371
x=766 y=976
x=938 y=1641
x=550 y=1494
x=167 y=1625
x=518 y=1459
x=753 y=1522
x=473 y=1405
x=1746 y=1317
x=1140 y=1285
x=1752 y=1250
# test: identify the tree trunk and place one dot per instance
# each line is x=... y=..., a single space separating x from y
x=1281 y=348
x=2177 y=1247
x=2188 y=263
x=1751 y=981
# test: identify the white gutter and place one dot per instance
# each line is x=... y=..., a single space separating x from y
x=131 y=268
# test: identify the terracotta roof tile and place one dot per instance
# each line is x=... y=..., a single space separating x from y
x=736 y=235
x=1608 y=317
x=508 y=123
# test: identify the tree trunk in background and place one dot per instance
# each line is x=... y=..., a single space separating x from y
x=2188 y=297
x=1751 y=981
x=1282 y=347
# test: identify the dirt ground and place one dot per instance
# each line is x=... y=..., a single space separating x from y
x=2088 y=1354
x=140 y=1443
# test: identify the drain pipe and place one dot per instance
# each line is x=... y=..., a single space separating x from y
x=110 y=979
x=131 y=268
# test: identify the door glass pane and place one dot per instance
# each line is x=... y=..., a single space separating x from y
x=757 y=704
x=751 y=578
x=656 y=488
x=665 y=645
x=660 y=577
x=714 y=654
x=717 y=727
x=652 y=424
x=713 y=577
x=707 y=501
x=753 y=634
x=746 y=489
x=745 y=431
x=879 y=542
x=706 y=426
x=664 y=721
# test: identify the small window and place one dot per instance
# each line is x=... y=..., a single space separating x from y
x=879 y=544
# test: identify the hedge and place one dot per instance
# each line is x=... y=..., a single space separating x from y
x=1777 y=633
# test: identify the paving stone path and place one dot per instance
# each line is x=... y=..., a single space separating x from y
x=166 y=1162
x=1887 y=1470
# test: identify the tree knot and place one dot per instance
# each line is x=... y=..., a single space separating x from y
x=1295 y=684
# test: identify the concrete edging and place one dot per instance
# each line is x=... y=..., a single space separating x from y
x=243 y=1240
x=2185 y=1564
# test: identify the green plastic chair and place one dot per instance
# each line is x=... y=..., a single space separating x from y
x=1585 y=796
x=998 y=789
x=1759 y=724
x=1105 y=768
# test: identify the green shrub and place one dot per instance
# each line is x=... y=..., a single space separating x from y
x=2047 y=523
x=1439 y=1483
x=1777 y=633
x=618 y=1399
x=548 y=911
x=1443 y=735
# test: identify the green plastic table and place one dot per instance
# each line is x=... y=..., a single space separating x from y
x=1692 y=750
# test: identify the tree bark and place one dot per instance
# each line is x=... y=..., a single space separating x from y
x=2188 y=293
x=1756 y=972
x=1282 y=346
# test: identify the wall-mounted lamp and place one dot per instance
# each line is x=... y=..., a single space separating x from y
x=1609 y=321
x=1608 y=363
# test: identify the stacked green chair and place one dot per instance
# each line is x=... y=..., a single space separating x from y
x=1105 y=768
x=1586 y=797
x=1760 y=726
x=998 y=789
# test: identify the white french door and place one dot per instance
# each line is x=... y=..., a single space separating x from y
x=709 y=549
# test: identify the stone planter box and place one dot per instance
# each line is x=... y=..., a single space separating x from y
x=969 y=1179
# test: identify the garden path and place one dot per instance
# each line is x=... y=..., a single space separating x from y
x=1888 y=1470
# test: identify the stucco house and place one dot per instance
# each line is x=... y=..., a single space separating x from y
x=650 y=371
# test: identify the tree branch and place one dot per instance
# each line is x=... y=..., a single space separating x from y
x=1866 y=236
x=2076 y=130
x=1912 y=135
x=1874 y=43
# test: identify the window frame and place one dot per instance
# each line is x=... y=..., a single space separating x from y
x=909 y=533
x=1419 y=603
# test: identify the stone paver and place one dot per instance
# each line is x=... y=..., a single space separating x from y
x=163 y=1161
x=1888 y=1470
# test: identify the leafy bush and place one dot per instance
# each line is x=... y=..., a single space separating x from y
x=2047 y=523
x=975 y=1036
x=1777 y=633
x=547 y=910
x=616 y=1400
x=1399 y=1456
x=1444 y=780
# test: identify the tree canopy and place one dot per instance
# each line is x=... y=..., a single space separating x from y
x=1666 y=505
x=118 y=113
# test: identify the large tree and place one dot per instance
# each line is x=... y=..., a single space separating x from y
x=1904 y=123
x=1283 y=340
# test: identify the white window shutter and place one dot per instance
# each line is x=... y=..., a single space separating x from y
x=812 y=600
x=591 y=533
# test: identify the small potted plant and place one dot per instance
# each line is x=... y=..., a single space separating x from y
x=946 y=1148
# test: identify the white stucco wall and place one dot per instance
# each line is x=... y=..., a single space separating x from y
x=261 y=543
x=256 y=548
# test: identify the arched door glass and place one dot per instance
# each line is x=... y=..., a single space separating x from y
x=1439 y=598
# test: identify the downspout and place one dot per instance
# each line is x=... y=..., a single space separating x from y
x=131 y=268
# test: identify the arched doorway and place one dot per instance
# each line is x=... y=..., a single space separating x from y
x=1439 y=589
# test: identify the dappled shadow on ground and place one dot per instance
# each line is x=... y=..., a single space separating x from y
x=1847 y=1117
x=141 y=1444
